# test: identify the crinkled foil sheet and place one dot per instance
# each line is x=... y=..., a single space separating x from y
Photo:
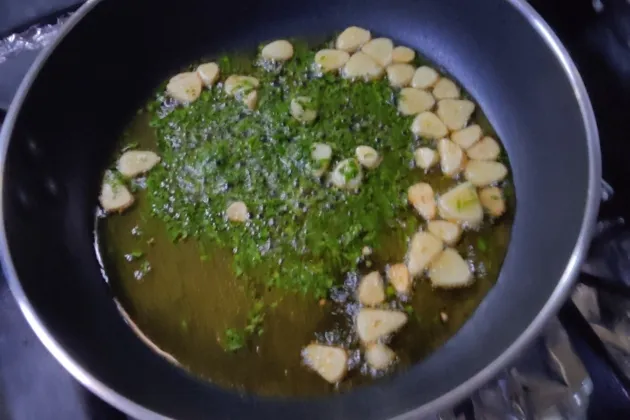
x=34 y=38
x=548 y=381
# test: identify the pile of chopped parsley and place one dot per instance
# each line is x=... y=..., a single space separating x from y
x=303 y=234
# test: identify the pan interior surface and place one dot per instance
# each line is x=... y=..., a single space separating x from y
x=88 y=88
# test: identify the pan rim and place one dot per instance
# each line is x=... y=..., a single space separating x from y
x=451 y=397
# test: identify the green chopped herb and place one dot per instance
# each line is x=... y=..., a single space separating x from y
x=234 y=339
x=130 y=146
x=350 y=170
x=390 y=291
x=213 y=154
x=482 y=244
x=136 y=254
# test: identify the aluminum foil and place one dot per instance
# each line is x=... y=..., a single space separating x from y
x=548 y=381
x=606 y=307
x=34 y=38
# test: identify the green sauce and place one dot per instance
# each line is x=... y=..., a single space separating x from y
x=235 y=302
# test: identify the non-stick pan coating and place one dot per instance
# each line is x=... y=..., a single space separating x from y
x=75 y=103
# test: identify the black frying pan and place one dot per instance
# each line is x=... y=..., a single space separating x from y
x=62 y=127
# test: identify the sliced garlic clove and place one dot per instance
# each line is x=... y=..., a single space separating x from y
x=399 y=75
x=373 y=324
x=135 y=162
x=378 y=356
x=461 y=204
x=371 y=291
x=321 y=154
x=362 y=66
x=347 y=175
x=331 y=60
x=280 y=50
x=208 y=73
x=449 y=270
x=422 y=198
x=184 y=87
x=403 y=55
x=237 y=85
x=425 y=158
x=486 y=149
x=445 y=89
x=115 y=197
x=352 y=38
x=380 y=49
x=398 y=276
x=424 y=77
x=448 y=232
x=423 y=248
x=331 y=363
x=427 y=124
x=237 y=212
x=466 y=137
x=481 y=173
x=455 y=113
x=414 y=101
x=251 y=99
x=492 y=201
x=451 y=157
x=368 y=157
x=301 y=109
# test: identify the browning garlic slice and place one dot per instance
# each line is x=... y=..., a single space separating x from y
x=380 y=49
x=445 y=89
x=378 y=356
x=424 y=247
x=399 y=75
x=428 y=125
x=424 y=77
x=321 y=154
x=331 y=363
x=115 y=197
x=352 y=38
x=449 y=270
x=373 y=324
x=398 y=276
x=403 y=55
x=486 y=149
x=422 y=198
x=184 y=87
x=425 y=157
x=481 y=173
x=492 y=201
x=240 y=85
x=208 y=73
x=331 y=60
x=251 y=99
x=362 y=66
x=455 y=113
x=448 y=232
x=237 y=212
x=302 y=109
x=466 y=137
x=414 y=101
x=451 y=157
x=371 y=291
x=135 y=162
x=280 y=50
x=461 y=204
x=347 y=175
x=368 y=157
